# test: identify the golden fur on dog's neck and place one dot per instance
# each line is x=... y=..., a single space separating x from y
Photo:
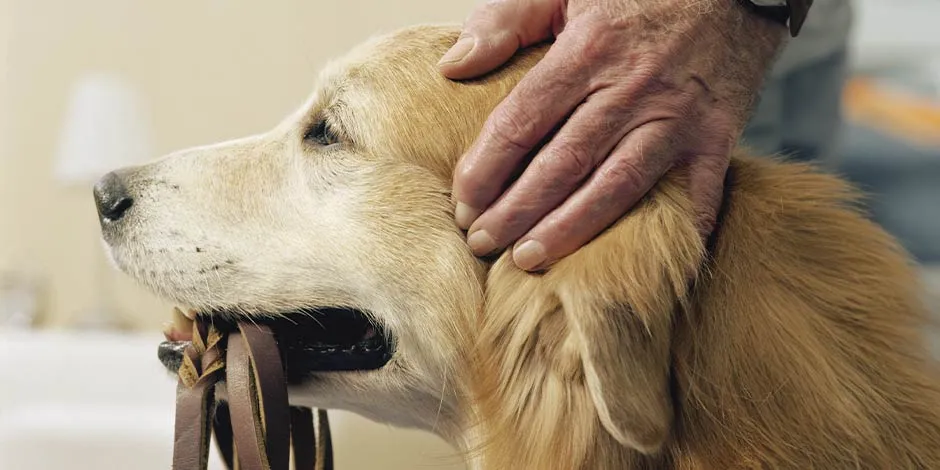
x=800 y=345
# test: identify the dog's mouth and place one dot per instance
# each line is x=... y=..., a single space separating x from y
x=310 y=341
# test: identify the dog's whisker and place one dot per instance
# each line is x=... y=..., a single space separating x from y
x=312 y=316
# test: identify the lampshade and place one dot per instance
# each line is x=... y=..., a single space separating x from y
x=106 y=126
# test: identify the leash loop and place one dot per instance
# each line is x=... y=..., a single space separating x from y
x=257 y=428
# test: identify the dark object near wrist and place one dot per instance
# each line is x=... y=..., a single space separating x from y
x=791 y=13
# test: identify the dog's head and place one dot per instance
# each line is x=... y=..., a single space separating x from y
x=338 y=221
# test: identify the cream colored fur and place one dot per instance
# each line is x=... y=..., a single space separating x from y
x=794 y=342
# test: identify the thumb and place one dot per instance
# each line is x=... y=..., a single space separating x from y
x=496 y=30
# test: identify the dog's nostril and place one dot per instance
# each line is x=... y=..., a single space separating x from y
x=112 y=198
x=117 y=209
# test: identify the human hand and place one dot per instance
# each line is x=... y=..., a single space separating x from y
x=633 y=87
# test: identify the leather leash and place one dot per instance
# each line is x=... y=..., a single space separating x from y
x=257 y=428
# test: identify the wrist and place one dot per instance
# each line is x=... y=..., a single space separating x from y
x=725 y=36
x=754 y=39
x=747 y=46
x=719 y=42
x=728 y=16
x=768 y=35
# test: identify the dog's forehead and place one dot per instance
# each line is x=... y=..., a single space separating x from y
x=409 y=52
x=390 y=99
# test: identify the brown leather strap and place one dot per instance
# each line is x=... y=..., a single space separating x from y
x=324 y=441
x=301 y=433
x=247 y=428
x=191 y=441
x=200 y=370
x=257 y=428
x=222 y=430
x=258 y=399
x=305 y=428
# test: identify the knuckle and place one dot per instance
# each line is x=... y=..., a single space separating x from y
x=594 y=50
x=511 y=128
x=514 y=224
x=472 y=184
x=627 y=173
x=567 y=164
x=593 y=39
x=466 y=174
x=509 y=223
x=465 y=171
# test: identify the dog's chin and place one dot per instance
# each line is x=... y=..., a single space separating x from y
x=311 y=341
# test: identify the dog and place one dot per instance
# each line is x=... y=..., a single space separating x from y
x=792 y=338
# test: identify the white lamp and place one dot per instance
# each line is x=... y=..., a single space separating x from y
x=106 y=127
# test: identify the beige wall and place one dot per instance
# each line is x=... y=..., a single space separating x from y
x=210 y=69
x=6 y=160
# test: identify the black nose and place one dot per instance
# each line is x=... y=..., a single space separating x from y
x=112 y=198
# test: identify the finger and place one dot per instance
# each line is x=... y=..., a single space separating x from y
x=637 y=163
x=496 y=30
x=517 y=125
x=706 y=188
x=560 y=167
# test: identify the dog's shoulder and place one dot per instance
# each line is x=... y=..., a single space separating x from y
x=798 y=326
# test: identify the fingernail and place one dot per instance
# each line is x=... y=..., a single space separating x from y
x=458 y=51
x=481 y=243
x=465 y=215
x=529 y=255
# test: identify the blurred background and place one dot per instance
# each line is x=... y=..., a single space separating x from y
x=89 y=86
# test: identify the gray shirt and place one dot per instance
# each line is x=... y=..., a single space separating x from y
x=825 y=32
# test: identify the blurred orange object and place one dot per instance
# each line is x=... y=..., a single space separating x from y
x=900 y=113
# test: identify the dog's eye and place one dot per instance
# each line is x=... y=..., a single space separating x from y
x=321 y=134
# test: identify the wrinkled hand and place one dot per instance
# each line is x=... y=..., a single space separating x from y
x=628 y=90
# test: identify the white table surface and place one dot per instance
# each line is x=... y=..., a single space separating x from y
x=90 y=400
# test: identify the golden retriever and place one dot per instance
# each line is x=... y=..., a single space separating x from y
x=791 y=339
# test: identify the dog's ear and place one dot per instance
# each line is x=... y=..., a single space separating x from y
x=626 y=367
x=590 y=336
x=620 y=295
